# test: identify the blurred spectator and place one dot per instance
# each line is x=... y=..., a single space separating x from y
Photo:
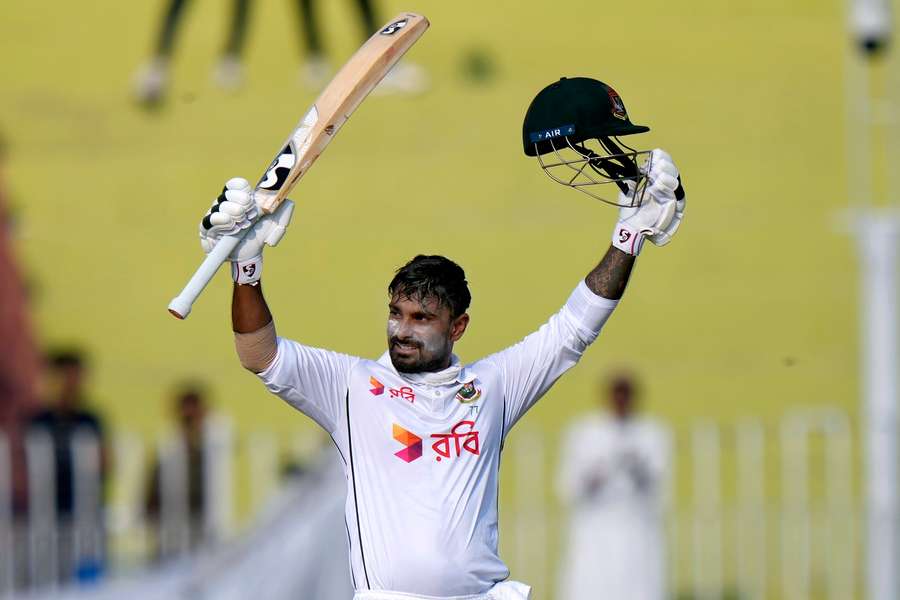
x=317 y=70
x=71 y=437
x=20 y=360
x=612 y=477
x=176 y=495
x=152 y=79
x=65 y=416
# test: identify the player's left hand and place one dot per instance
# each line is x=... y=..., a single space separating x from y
x=660 y=212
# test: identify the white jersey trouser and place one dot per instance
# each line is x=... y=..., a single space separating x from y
x=507 y=590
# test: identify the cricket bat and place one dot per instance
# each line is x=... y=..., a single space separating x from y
x=332 y=108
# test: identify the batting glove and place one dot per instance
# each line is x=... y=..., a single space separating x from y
x=660 y=212
x=235 y=211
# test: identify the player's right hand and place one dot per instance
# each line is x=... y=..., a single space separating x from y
x=235 y=211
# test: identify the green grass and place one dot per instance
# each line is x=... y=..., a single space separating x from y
x=750 y=310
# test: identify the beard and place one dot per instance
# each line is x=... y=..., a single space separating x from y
x=412 y=356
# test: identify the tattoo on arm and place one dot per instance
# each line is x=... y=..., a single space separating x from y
x=609 y=278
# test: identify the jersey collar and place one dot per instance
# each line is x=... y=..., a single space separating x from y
x=457 y=373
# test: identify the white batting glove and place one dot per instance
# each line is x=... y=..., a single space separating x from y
x=661 y=211
x=234 y=211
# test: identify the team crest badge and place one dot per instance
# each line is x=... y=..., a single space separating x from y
x=618 y=107
x=468 y=393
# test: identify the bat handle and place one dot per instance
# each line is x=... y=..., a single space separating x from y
x=180 y=306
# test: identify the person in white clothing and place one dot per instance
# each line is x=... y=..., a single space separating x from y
x=418 y=431
x=612 y=477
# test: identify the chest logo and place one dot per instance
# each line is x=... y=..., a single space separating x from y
x=464 y=437
x=411 y=442
x=377 y=387
x=405 y=392
x=468 y=393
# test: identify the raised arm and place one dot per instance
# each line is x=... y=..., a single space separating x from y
x=656 y=218
x=530 y=367
x=249 y=311
x=610 y=276
x=254 y=330
x=312 y=380
x=235 y=209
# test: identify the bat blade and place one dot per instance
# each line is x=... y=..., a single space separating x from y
x=356 y=79
x=316 y=129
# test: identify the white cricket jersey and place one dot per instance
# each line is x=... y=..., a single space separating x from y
x=421 y=453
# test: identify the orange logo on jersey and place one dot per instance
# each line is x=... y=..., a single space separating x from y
x=413 y=443
x=377 y=387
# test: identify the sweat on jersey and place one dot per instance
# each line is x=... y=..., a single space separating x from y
x=421 y=454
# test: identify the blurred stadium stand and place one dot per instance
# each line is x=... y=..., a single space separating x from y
x=302 y=519
x=759 y=510
x=774 y=507
x=765 y=510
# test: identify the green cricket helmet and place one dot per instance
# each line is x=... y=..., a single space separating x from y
x=572 y=126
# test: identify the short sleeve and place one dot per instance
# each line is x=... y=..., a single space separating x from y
x=312 y=380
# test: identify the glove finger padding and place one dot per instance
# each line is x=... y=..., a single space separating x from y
x=659 y=164
x=665 y=236
x=233 y=210
x=659 y=159
x=661 y=211
x=663 y=186
x=665 y=215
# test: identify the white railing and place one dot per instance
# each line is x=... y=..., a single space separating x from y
x=755 y=511
x=43 y=550
x=7 y=562
x=761 y=510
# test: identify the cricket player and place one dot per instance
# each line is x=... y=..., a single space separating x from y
x=612 y=476
x=419 y=431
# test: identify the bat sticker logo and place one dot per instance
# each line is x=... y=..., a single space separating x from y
x=277 y=172
x=394 y=27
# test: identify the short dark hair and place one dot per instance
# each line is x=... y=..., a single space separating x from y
x=190 y=391
x=61 y=358
x=436 y=277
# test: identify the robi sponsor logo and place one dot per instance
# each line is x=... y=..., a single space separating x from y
x=462 y=438
x=377 y=389
x=412 y=443
x=405 y=392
